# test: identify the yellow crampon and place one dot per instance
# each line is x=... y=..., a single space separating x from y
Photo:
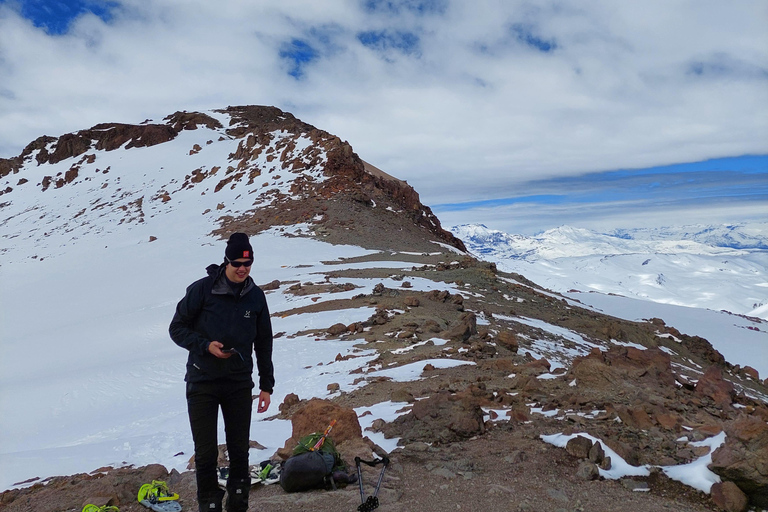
x=155 y=492
x=105 y=508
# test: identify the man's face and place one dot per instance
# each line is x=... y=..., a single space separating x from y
x=238 y=274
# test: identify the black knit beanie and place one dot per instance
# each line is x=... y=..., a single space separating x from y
x=238 y=247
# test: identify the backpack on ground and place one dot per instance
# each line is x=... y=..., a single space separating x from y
x=313 y=463
x=305 y=471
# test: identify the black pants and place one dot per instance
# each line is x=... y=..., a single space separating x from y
x=203 y=402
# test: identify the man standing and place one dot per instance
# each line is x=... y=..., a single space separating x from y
x=222 y=321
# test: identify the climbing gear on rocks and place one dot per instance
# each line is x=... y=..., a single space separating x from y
x=106 y=508
x=156 y=496
x=372 y=502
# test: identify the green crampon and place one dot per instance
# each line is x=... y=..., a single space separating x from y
x=155 y=492
x=105 y=508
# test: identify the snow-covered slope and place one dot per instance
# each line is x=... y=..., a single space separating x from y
x=716 y=267
x=97 y=249
x=93 y=266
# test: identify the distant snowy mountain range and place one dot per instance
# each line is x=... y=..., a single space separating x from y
x=712 y=267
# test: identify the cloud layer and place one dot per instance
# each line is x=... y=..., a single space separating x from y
x=465 y=100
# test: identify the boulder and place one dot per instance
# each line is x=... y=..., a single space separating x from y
x=535 y=367
x=712 y=385
x=634 y=417
x=729 y=497
x=752 y=373
x=597 y=453
x=290 y=400
x=402 y=395
x=743 y=458
x=315 y=416
x=411 y=301
x=622 y=367
x=579 y=446
x=466 y=327
x=442 y=418
x=508 y=340
x=337 y=329
x=273 y=285
x=587 y=471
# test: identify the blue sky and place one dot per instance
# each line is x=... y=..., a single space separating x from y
x=578 y=112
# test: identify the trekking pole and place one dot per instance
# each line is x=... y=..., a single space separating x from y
x=320 y=441
x=372 y=503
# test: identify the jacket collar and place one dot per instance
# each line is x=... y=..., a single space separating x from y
x=220 y=284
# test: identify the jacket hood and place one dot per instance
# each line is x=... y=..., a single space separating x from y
x=213 y=269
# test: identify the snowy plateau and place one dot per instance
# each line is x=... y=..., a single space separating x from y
x=721 y=268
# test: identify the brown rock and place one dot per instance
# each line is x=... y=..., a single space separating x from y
x=634 y=417
x=438 y=296
x=712 y=385
x=622 y=367
x=508 y=340
x=519 y=414
x=315 y=416
x=579 y=446
x=290 y=400
x=588 y=471
x=441 y=418
x=743 y=459
x=402 y=395
x=466 y=327
x=535 y=367
x=274 y=285
x=596 y=453
x=412 y=302
x=729 y=497
x=337 y=329
x=752 y=373
x=668 y=420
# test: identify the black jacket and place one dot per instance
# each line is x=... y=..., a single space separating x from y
x=210 y=311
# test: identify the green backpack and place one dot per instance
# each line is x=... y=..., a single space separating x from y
x=308 y=442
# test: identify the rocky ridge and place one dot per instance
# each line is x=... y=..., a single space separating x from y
x=277 y=171
x=470 y=435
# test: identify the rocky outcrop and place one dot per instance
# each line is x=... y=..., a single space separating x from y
x=350 y=181
x=729 y=497
x=713 y=386
x=111 y=136
x=743 y=459
x=441 y=418
x=315 y=416
x=623 y=366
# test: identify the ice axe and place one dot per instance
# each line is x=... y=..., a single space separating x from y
x=319 y=443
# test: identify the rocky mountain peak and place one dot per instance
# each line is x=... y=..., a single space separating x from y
x=249 y=167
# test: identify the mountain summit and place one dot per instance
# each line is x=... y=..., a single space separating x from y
x=247 y=168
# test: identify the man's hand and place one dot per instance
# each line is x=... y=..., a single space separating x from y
x=215 y=347
x=264 y=400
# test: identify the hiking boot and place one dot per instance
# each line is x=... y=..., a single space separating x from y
x=211 y=502
x=237 y=494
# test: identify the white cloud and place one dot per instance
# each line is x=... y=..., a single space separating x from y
x=474 y=110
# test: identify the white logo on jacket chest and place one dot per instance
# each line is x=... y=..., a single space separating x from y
x=247 y=314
